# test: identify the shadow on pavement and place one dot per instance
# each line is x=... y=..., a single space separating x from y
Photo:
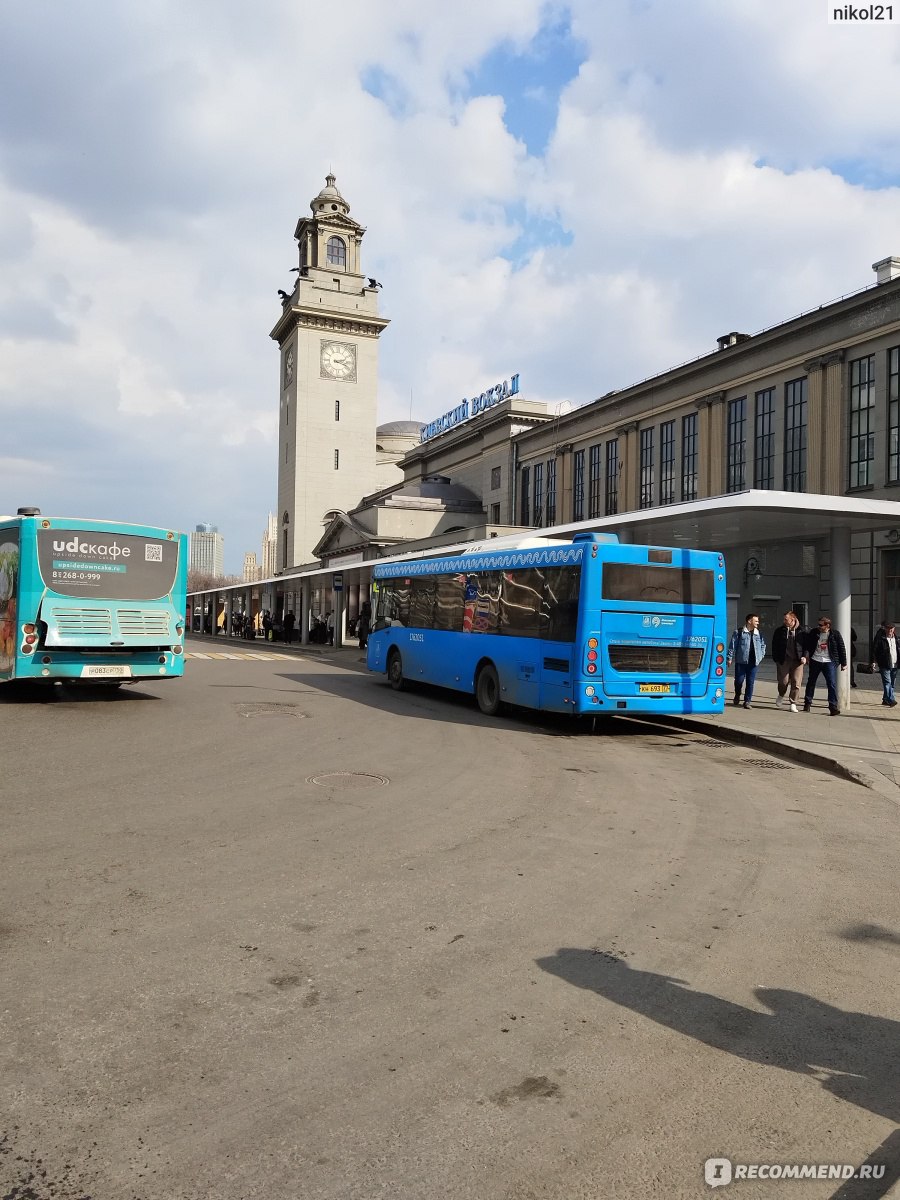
x=852 y=1055
x=26 y=692
x=429 y=703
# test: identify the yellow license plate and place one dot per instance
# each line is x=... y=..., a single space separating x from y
x=654 y=687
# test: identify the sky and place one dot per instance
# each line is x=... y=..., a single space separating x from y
x=585 y=193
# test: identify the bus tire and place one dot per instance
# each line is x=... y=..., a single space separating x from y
x=395 y=671
x=487 y=690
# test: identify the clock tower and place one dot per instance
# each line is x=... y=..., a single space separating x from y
x=328 y=338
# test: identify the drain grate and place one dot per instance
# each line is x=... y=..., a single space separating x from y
x=349 y=779
x=716 y=745
x=768 y=762
x=263 y=709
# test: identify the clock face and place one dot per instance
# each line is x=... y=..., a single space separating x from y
x=289 y=367
x=338 y=361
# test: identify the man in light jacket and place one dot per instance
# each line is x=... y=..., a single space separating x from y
x=746 y=650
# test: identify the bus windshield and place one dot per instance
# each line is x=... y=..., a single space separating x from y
x=120 y=566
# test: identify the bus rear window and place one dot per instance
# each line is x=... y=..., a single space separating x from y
x=651 y=584
x=114 y=566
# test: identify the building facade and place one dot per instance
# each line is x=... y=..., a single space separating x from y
x=269 y=548
x=327 y=336
x=251 y=568
x=206 y=551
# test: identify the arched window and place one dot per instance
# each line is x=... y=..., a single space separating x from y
x=336 y=252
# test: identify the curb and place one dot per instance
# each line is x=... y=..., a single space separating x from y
x=771 y=745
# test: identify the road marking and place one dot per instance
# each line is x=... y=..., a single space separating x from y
x=241 y=657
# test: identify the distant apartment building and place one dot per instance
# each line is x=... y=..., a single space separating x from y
x=207 y=550
x=251 y=567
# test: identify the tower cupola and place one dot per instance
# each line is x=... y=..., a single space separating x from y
x=329 y=200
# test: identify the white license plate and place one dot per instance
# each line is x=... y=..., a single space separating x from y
x=95 y=671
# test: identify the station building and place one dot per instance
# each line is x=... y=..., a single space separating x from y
x=781 y=449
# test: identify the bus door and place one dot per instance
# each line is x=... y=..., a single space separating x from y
x=656 y=654
x=558 y=626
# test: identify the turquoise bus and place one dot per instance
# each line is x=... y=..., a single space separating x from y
x=589 y=626
x=90 y=602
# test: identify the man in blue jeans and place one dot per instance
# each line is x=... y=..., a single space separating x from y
x=826 y=652
x=746 y=650
x=885 y=655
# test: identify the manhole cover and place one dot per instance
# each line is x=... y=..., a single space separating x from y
x=348 y=779
x=767 y=762
x=261 y=709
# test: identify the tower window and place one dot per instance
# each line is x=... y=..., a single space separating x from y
x=337 y=459
x=336 y=252
x=337 y=410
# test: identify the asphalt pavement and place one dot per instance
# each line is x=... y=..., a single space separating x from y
x=862 y=744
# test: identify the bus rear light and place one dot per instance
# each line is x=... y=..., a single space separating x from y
x=591 y=669
x=30 y=638
x=589 y=690
x=46 y=659
x=720 y=647
x=592 y=655
x=593 y=643
x=27 y=649
x=719 y=658
x=28 y=628
x=720 y=670
x=162 y=658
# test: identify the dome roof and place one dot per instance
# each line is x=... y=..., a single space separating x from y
x=441 y=489
x=401 y=429
x=329 y=197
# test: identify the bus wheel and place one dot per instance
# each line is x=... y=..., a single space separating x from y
x=395 y=671
x=487 y=690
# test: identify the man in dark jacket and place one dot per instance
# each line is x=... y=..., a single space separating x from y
x=826 y=652
x=789 y=655
x=885 y=654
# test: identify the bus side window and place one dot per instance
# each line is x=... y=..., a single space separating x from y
x=423 y=595
x=520 y=602
x=559 y=610
x=450 y=599
x=485 y=607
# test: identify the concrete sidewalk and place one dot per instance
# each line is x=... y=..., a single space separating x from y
x=862 y=744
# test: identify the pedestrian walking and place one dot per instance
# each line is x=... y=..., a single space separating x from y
x=363 y=624
x=885 y=654
x=289 y=622
x=789 y=656
x=746 y=650
x=826 y=652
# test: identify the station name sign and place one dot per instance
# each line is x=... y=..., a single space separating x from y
x=471 y=408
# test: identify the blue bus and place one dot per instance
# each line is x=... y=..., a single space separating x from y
x=585 y=627
x=90 y=602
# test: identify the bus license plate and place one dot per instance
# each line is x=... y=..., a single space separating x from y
x=95 y=671
x=654 y=687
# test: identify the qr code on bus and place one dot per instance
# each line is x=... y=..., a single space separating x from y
x=153 y=552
